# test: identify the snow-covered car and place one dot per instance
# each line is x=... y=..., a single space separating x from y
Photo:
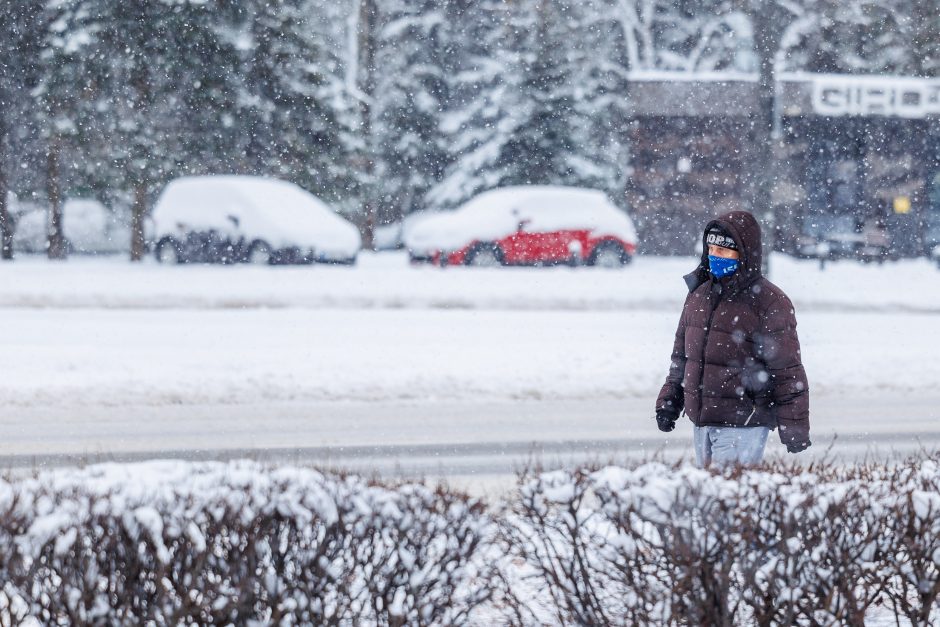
x=228 y=219
x=841 y=236
x=88 y=225
x=932 y=229
x=392 y=236
x=527 y=225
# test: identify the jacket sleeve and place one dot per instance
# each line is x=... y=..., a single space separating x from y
x=778 y=348
x=671 y=398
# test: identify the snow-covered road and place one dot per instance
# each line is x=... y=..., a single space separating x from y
x=477 y=443
x=437 y=391
x=453 y=371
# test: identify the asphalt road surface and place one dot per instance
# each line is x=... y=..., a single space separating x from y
x=466 y=442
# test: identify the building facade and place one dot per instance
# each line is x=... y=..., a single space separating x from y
x=855 y=160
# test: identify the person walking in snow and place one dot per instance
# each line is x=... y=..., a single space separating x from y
x=736 y=369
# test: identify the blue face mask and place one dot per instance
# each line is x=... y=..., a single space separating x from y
x=721 y=266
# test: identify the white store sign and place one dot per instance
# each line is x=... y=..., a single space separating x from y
x=868 y=96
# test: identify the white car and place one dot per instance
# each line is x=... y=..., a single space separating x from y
x=211 y=219
x=527 y=225
x=88 y=225
x=392 y=236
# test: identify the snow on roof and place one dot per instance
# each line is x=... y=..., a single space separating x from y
x=497 y=213
x=676 y=76
x=535 y=197
x=879 y=79
x=276 y=211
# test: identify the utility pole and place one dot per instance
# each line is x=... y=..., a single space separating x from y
x=768 y=20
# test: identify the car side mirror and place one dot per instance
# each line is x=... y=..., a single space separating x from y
x=234 y=220
x=521 y=227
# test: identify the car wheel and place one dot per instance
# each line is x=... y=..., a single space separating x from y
x=609 y=255
x=227 y=252
x=259 y=253
x=168 y=251
x=485 y=256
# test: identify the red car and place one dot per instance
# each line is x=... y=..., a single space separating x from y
x=531 y=225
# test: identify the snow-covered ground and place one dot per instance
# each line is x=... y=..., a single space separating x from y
x=105 y=358
x=386 y=280
x=105 y=332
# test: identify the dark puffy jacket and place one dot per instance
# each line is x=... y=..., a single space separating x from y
x=736 y=359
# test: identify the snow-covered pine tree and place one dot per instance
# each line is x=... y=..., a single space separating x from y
x=868 y=36
x=65 y=112
x=700 y=36
x=850 y=37
x=517 y=117
x=476 y=123
x=136 y=102
x=346 y=30
x=415 y=52
x=20 y=32
x=159 y=74
x=208 y=77
x=923 y=28
x=600 y=157
x=542 y=102
x=293 y=101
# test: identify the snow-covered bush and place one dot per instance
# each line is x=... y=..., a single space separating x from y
x=913 y=558
x=782 y=544
x=167 y=544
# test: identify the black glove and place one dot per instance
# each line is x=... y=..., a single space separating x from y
x=665 y=421
x=796 y=447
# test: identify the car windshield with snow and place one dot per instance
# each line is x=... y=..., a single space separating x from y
x=231 y=219
x=527 y=225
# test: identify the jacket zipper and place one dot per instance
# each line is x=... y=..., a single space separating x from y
x=701 y=372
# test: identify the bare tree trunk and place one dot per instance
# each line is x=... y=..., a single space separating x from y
x=55 y=237
x=6 y=220
x=366 y=84
x=139 y=213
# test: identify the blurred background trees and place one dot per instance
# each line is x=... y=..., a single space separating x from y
x=384 y=107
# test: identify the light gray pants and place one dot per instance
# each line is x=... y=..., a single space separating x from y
x=724 y=446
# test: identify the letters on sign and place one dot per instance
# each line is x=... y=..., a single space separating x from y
x=898 y=97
